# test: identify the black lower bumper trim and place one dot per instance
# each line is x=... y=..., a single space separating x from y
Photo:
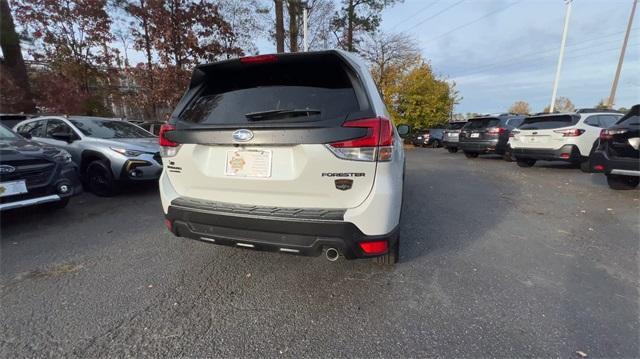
x=568 y=153
x=490 y=146
x=304 y=237
x=601 y=158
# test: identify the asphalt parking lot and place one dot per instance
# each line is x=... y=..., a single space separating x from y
x=496 y=261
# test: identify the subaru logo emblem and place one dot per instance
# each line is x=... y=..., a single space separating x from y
x=242 y=135
x=6 y=169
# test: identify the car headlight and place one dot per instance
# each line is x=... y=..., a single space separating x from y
x=126 y=152
x=62 y=157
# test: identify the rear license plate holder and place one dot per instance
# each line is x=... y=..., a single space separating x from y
x=248 y=163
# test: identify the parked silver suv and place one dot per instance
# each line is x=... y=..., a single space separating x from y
x=109 y=152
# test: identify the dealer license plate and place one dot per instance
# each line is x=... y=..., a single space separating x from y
x=12 y=188
x=248 y=163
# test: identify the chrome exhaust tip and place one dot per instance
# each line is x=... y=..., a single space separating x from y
x=332 y=254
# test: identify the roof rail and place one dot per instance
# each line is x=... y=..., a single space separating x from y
x=594 y=110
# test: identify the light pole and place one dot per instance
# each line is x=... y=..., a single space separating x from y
x=305 y=46
x=564 y=41
x=614 y=85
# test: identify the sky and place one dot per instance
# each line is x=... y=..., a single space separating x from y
x=502 y=51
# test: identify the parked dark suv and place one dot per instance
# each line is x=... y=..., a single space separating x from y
x=618 y=152
x=429 y=138
x=484 y=135
x=451 y=136
x=33 y=174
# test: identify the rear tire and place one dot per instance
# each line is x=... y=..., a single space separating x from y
x=470 y=154
x=508 y=155
x=99 y=179
x=435 y=144
x=390 y=258
x=525 y=162
x=620 y=182
x=585 y=166
x=452 y=149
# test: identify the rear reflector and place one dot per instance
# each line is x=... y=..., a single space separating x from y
x=565 y=155
x=598 y=167
x=260 y=59
x=377 y=144
x=375 y=247
x=169 y=225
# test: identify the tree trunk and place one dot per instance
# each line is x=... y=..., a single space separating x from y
x=293 y=25
x=279 y=26
x=13 y=61
x=350 y=15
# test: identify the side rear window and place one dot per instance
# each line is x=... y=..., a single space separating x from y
x=34 y=128
x=480 y=123
x=607 y=121
x=549 y=122
x=287 y=90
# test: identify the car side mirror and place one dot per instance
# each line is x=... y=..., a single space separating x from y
x=26 y=135
x=403 y=130
x=62 y=136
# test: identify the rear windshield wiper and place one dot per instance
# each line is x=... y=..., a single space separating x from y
x=273 y=114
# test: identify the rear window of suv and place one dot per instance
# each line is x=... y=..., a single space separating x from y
x=456 y=126
x=478 y=123
x=320 y=84
x=549 y=122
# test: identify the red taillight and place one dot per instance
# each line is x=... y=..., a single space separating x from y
x=574 y=132
x=164 y=142
x=377 y=144
x=374 y=247
x=608 y=134
x=379 y=133
x=496 y=130
x=259 y=59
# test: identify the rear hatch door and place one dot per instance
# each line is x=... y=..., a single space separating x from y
x=476 y=129
x=253 y=132
x=625 y=140
x=544 y=132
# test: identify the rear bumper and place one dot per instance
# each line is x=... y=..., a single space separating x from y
x=621 y=166
x=488 y=146
x=450 y=144
x=290 y=234
x=568 y=153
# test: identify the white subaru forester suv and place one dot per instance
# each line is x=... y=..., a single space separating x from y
x=292 y=153
x=569 y=137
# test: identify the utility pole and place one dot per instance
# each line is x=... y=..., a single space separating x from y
x=564 y=41
x=614 y=85
x=305 y=13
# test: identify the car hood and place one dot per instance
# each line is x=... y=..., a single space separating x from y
x=12 y=150
x=139 y=144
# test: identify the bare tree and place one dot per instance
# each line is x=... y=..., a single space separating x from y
x=520 y=108
x=279 y=10
x=389 y=56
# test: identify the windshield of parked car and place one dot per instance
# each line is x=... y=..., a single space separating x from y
x=549 y=122
x=107 y=129
x=631 y=121
x=7 y=134
x=478 y=123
